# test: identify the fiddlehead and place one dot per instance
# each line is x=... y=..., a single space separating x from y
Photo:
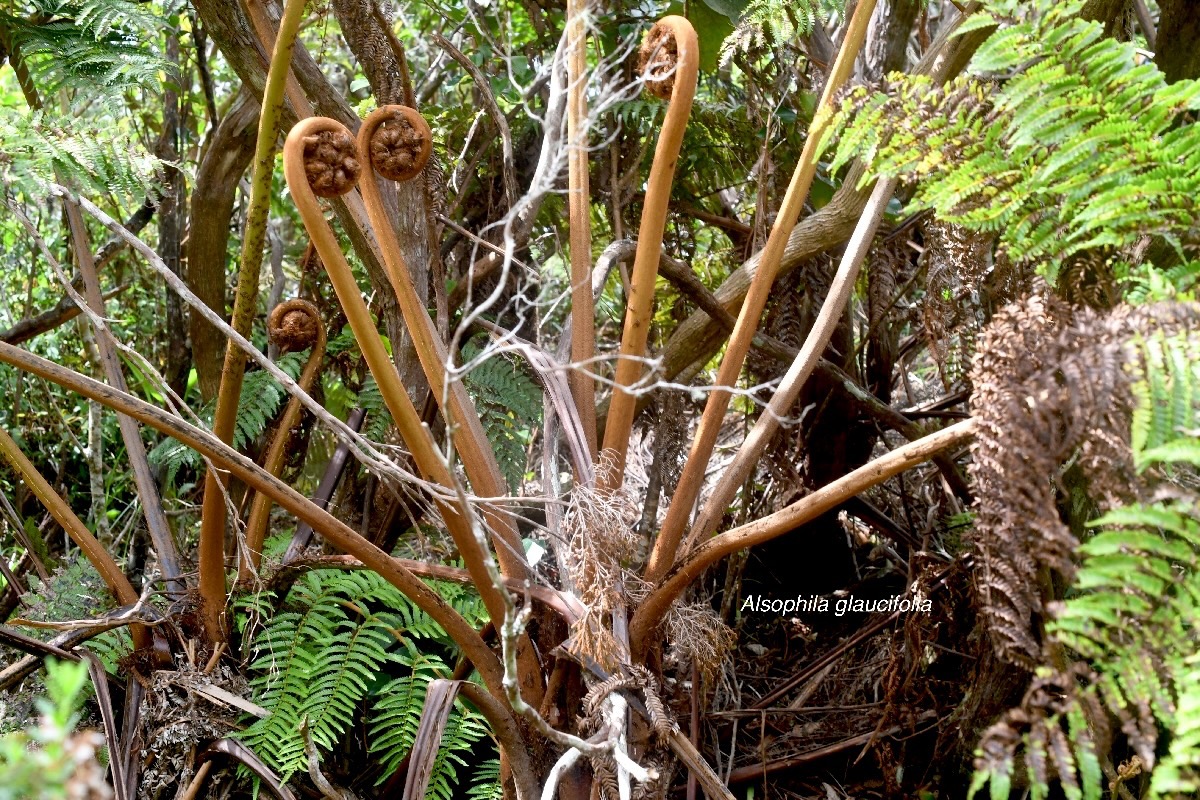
x=400 y=144
x=294 y=325
x=391 y=145
x=306 y=156
x=658 y=60
x=331 y=164
x=670 y=34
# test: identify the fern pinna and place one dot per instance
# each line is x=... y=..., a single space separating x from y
x=347 y=646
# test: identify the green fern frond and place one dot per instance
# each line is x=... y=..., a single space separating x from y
x=317 y=663
x=97 y=45
x=1059 y=141
x=397 y=715
x=510 y=408
x=42 y=147
x=1166 y=386
x=771 y=22
x=331 y=648
x=379 y=419
x=486 y=785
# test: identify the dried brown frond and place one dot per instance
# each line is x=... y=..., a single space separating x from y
x=1041 y=724
x=960 y=276
x=601 y=548
x=175 y=715
x=696 y=634
x=1050 y=390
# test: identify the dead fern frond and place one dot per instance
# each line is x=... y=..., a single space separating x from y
x=1049 y=391
x=1050 y=729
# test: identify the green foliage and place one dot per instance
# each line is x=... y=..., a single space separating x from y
x=47 y=761
x=1060 y=141
x=378 y=420
x=261 y=400
x=45 y=147
x=510 y=407
x=394 y=721
x=98 y=45
x=769 y=22
x=1166 y=385
x=334 y=648
x=76 y=591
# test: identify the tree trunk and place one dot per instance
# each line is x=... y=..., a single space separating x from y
x=170 y=230
x=1178 y=42
x=221 y=169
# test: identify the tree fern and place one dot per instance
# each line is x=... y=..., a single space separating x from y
x=1060 y=141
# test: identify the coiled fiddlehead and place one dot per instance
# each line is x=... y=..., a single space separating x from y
x=671 y=34
x=305 y=156
x=658 y=60
x=331 y=163
x=382 y=136
x=400 y=142
x=293 y=325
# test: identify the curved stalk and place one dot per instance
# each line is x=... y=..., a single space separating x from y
x=416 y=436
x=479 y=460
x=311 y=335
x=690 y=482
x=333 y=530
x=802 y=367
x=655 y=607
x=113 y=577
x=212 y=519
x=639 y=304
x=583 y=307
